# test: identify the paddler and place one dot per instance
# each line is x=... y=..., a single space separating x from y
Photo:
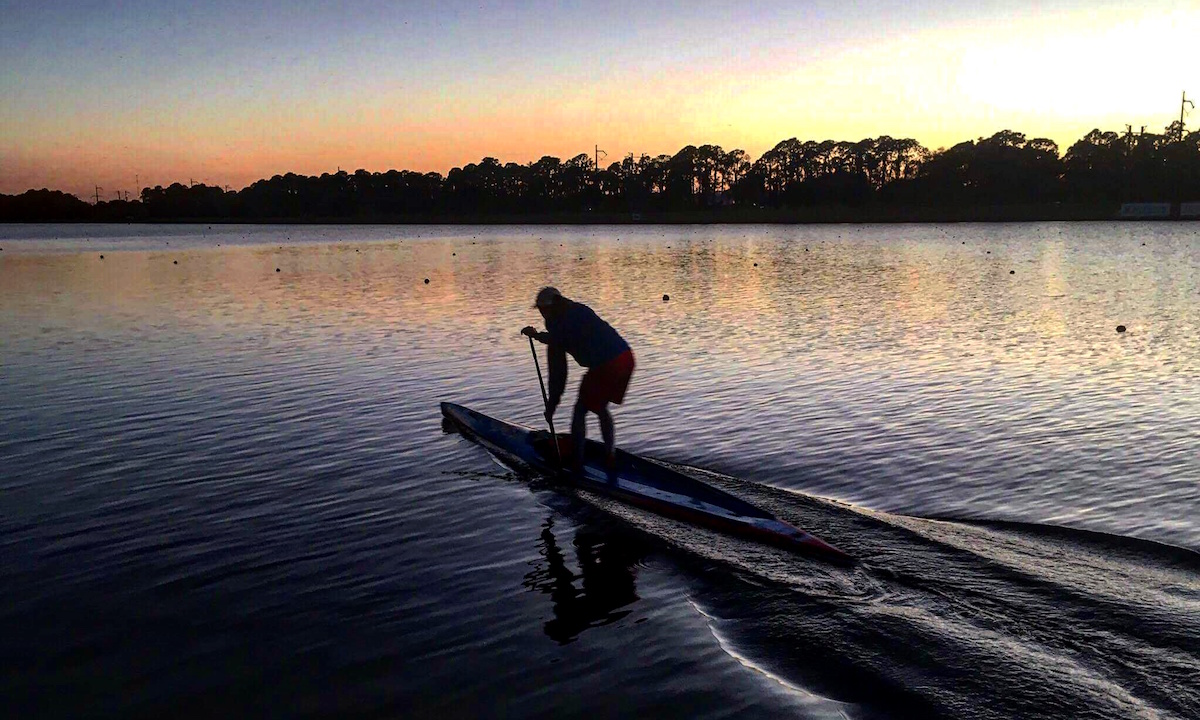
x=575 y=329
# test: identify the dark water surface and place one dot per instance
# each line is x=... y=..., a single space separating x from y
x=224 y=489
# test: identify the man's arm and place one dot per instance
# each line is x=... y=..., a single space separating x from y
x=531 y=331
x=556 y=362
x=556 y=358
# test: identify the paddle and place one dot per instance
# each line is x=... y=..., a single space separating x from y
x=546 y=404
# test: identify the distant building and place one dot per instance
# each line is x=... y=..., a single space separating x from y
x=1145 y=211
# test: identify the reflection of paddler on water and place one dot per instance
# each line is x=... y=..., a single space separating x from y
x=606 y=567
x=574 y=329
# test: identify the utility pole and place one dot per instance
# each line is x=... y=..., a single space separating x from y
x=98 y=189
x=1183 y=106
x=599 y=152
x=137 y=181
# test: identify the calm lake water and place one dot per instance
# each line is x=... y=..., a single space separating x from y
x=224 y=487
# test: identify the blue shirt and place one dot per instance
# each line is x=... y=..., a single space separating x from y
x=582 y=334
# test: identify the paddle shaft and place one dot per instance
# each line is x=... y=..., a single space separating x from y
x=546 y=403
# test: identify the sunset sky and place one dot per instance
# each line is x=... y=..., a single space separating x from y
x=230 y=92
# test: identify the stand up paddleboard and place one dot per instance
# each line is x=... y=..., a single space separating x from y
x=637 y=482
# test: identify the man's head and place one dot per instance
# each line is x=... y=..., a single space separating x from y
x=549 y=301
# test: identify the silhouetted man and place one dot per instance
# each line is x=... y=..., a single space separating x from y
x=573 y=328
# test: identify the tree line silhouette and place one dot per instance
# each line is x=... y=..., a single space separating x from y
x=1006 y=169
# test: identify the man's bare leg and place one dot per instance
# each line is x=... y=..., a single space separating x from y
x=607 y=430
x=579 y=434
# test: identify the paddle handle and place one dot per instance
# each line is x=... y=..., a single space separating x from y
x=546 y=402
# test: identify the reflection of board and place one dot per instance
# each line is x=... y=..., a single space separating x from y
x=637 y=482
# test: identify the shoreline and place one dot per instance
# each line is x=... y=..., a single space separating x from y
x=823 y=215
x=720 y=216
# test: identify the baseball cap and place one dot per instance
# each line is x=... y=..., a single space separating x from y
x=547 y=297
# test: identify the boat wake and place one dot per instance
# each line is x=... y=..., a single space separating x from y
x=949 y=618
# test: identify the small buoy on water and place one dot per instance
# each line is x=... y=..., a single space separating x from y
x=989 y=252
x=175 y=262
x=101 y=257
x=453 y=254
x=1120 y=328
x=1012 y=272
x=666 y=297
x=276 y=269
x=426 y=281
x=755 y=264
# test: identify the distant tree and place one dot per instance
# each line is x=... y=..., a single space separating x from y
x=43 y=206
x=1094 y=168
x=682 y=182
x=1004 y=168
x=734 y=166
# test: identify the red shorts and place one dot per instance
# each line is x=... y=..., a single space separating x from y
x=607 y=383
